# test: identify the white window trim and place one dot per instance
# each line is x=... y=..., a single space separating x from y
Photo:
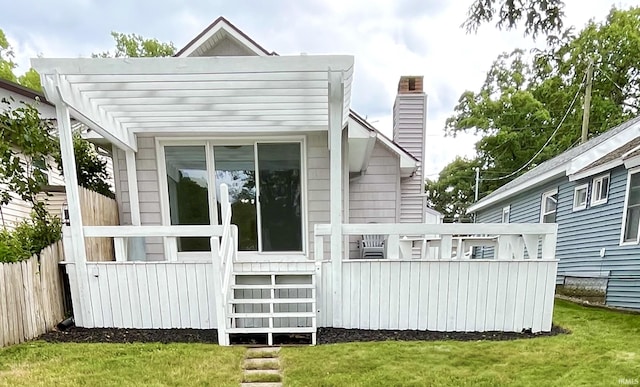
x=593 y=191
x=624 y=212
x=506 y=210
x=575 y=196
x=543 y=202
x=170 y=244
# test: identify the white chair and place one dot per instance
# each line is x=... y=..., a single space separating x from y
x=372 y=247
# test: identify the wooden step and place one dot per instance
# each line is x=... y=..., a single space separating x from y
x=275 y=315
x=272 y=300
x=272 y=330
x=277 y=273
x=276 y=286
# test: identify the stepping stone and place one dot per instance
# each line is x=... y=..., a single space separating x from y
x=261 y=372
x=270 y=384
x=262 y=363
x=262 y=352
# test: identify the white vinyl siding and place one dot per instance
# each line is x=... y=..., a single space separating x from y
x=373 y=197
x=580 y=197
x=600 y=190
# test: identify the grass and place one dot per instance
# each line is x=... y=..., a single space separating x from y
x=68 y=364
x=603 y=349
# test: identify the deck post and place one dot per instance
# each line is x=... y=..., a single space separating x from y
x=132 y=182
x=76 y=234
x=336 y=95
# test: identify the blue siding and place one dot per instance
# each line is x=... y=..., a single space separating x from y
x=582 y=234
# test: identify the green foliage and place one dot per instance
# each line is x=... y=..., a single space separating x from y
x=91 y=170
x=29 y=237
x=25 y=141
x=525 y=97
x=453 y=191
x=31 y=79
x=6 y=59
x=134 y=46
x=538 y=16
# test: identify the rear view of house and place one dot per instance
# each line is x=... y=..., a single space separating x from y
x=245 y=184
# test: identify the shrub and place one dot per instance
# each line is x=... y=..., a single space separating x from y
x=29 y=237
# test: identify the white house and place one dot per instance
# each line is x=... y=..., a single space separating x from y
x=245 y=182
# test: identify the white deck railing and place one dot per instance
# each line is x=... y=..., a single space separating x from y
x=228 y=255
x=452 y=241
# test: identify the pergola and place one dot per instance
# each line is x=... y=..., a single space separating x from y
x=119 y=98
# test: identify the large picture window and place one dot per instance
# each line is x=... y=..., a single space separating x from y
x=265 y=191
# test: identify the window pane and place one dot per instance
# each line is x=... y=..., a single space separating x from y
x=188 y=192
x=280 y=201
x=549 y=218
x=631 y=227
x=580 y=198
x=551 y=202
x=235 y=167
x=604 y=188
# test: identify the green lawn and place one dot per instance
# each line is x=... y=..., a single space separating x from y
x=44 y=364
x=603 y=348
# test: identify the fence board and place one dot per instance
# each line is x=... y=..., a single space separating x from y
x=98 y=210
x=31 y=299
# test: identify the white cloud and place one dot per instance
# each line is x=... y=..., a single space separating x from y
x=388 y=39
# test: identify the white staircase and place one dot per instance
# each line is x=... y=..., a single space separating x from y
x=274 y=302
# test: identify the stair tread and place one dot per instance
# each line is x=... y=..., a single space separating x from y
x=272 y=330
x=274 y=314
x=272 y=300
x=263 y=273
x=276 y=286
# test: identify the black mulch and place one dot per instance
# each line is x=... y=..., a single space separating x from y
x=338 y=335
x=121 y=335
x=324 y=335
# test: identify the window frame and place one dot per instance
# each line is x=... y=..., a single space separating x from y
x=626 y=209
x=579 y=207
x=543 y=203
x=506 y=210
x=594 y=192
x=171 y=247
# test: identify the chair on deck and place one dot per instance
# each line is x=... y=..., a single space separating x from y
x=372 y=247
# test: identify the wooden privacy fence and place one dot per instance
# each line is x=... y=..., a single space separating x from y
x=98 y=210
x=31 y=296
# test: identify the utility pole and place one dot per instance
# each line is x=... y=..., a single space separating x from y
x=477 y=183
x=587 y=103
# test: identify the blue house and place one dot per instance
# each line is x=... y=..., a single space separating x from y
x=592 y=192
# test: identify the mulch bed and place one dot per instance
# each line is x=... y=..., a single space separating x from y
x=121 y=335
x=324 y=335
x=338 y=335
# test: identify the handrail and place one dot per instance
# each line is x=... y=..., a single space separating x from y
x=151 y=231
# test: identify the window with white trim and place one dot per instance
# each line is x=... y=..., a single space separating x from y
x=600 y=190
x=505 y=214
x=580 y=197
x=632 y=209
x=549 y=206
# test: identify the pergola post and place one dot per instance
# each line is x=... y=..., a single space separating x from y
x=336 y=95
x=82 y=311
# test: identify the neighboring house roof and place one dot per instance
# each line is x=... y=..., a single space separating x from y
x=572 y=162
x=24 y=91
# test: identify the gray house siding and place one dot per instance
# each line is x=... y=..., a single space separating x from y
x=583 y=233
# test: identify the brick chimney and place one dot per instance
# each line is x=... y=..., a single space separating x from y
x=409 y=127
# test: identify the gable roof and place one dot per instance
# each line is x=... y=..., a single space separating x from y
x=386 y=141
x=217 y=30
x=566 y=163
x=24 y=91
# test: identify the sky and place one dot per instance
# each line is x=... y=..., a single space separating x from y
x=387 y=38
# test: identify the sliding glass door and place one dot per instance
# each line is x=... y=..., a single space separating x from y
x=265 y=191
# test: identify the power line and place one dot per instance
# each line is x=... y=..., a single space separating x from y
x=566 y=114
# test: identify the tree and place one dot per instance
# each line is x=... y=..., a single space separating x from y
x=538 y=16
x=453 y=191
x=25 y=145
x=31 y=79
x=133 y=46
x=6 y=59
x=529 y=108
